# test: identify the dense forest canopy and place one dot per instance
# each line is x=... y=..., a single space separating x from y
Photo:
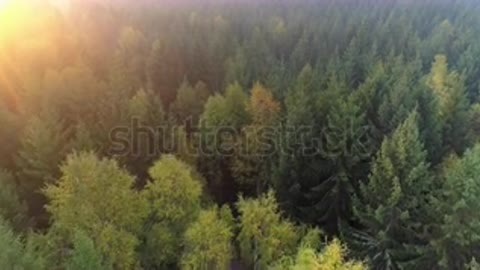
x=228 y=134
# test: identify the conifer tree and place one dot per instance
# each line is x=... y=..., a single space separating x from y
x=9 y=141
x=299 y=166
x=449 y=89
x=12 y=208
x=148 y=132
x=393 y=205
x=84 y=256
x=255 y=151
x=15 y=253
x=165 y=71
x=459 y=235
x=43 y=147
x=347 y=146
x=130 y=60
x=221 y=122
x=189 y=103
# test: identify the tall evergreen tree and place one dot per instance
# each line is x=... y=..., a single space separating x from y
x=256 y=149
x=165 y=71
x=393 y=205
x=84 y=256
x=15 y=253
x=43 y=147
x=12 y=208
x=449 y=89
x=459 y=234
x=347 y=146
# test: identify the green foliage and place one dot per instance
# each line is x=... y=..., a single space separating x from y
x=84 y=256
x=298 y=168
x=173 y=191
x=15 y=254
x=236 y=68
x=459 y=230
x=214 y=112
x=264 y=235
x=473 y=265
x=12 y=209
x=145 y=118
x=333 y=256
x=165 y=71
x=449 y=89
x=348 y=145
x=9 y=140
x=330 y=85
x=252 y=163
x=96 y=196
x=73 y=92
x=236 y=104
x=174 y=196
x=475 y=122
x=43 y=146
x=128 y=72
x=394 y=203
x=190 y=102
x=208 y=242
x=222 y=120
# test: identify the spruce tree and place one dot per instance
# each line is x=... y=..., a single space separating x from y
x=459 y=234
x=449 y=90
x=12 y=208
x=393 y=206
x=44 y=145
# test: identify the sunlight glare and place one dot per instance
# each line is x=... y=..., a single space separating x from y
x=4 y=3
x=13 y=16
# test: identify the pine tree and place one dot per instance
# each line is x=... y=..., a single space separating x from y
x=236 y=68
x=393 y=204
x=299 y=166
x=221 y=123
x=165 y=71
x=130 y=60
x=449 y=89
x=12 y=208
x=236 y=101
x=256 y=149
x=84 y=256
x=347 y=147
x=43 y=147
x=15 y=253
x=459 y=235
x=189 y=103
x=148 y=132
x=9 y=142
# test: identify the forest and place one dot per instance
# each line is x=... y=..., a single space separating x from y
x=239 y=134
